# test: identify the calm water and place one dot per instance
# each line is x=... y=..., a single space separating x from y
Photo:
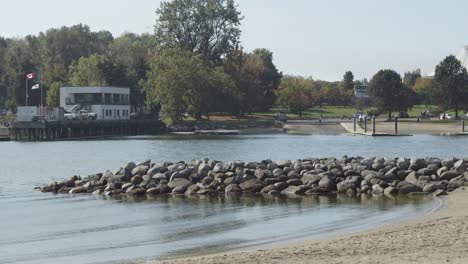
x=47 y=228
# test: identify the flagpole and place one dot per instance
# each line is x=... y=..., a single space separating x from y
x=27 y=91
x=42 y=103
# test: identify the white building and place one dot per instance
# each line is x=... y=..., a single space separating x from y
x=109 y=103
x=360 y=91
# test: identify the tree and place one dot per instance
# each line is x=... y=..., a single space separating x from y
x=422 y=87
x=450 y=84
x=388 y=92
x=348 y=81
x=182 y=82
x=206 y=27
x=256 y=78
x=410 y=77
x=88 y=71
x=53 y=94
x=129 y=53
x=295 y=93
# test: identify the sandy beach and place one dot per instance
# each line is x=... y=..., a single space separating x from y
x=438 y=237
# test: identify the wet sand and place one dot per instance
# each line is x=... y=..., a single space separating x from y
x=439 y=237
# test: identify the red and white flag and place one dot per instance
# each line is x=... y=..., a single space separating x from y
x=30 y=76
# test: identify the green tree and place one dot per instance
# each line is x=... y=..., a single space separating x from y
x=18 y=62
x=423 y=87
x=256 y=78
x=410 y=77
x=53 y=94
x=209 y=28
x=295 y=93
x=88 y=71
x=181 y=82
x=348 y=81
x=450 y=84
x=129 y=53
x=388 y=92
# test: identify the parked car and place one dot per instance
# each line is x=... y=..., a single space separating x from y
x=80 y=115
x=70 y=115
x=445 y=116
x=426 y=114
x=85 y=115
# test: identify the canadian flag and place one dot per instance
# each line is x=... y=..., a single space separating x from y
x=30 y=76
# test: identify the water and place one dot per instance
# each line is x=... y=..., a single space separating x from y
x=47 y=228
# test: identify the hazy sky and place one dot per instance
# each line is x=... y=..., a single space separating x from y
x=318 y=38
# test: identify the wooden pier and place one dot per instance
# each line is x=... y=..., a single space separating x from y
x=81 y=129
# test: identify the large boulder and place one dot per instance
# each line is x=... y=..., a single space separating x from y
x=80 y=189
x=251 y=186
x=140 y=170
x=344 y=186
x=459 y=166
x=283 y=163
x=409 y=188
x=221 y=167
x=310 y=178
x=233 y=189
x=412 y=177
x=293 y=190
x=179 y=182
x=263 y=174
x=327 y=183
x=448 y=175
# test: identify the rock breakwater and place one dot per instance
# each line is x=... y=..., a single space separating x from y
x=309 y=176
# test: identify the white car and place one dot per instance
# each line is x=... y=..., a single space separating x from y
x=445 y=116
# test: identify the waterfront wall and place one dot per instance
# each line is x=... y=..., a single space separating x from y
x=81 y=129
x=309 y=176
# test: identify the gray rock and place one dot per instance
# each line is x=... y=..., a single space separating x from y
x=283 y=163
x=430 y=187
x=390 y=191
x=327 y=183
x=180 y=182
x=136 y=192
x=179 y=189
x=448 y=175
x=140 y=170
x=221 y=167
x=441 y=170
x=417 y=164
x=233 y=189
x=409 y=188
x=251 y=186
x=345 y=185
x=294 y=182
x=263 y=174
x=412 y=177
x=377 y=189
x=459 y=166
x=309 y=178
x=293 y=190
x=79 y=189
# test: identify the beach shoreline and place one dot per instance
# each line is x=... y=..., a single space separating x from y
x=437 y=237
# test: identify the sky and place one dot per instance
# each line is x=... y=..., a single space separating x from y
x=317 y=38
